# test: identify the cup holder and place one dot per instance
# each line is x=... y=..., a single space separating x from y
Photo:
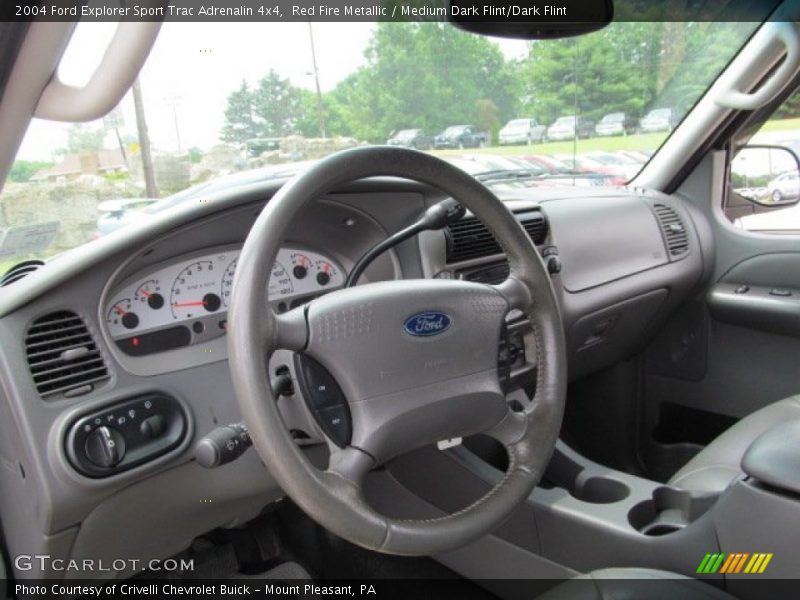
x=668 y=511
x=599 y=490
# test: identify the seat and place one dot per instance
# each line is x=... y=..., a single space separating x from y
x=633 y=584
x=718 y=464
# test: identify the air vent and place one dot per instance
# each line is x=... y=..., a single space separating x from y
x=62 y=354
x=19 y=271
x=469 y=238
x=674 y=231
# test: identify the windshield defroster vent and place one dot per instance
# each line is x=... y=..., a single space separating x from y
x=62 y=354
x=674 y=230
x=19 y=271
x=469 y=238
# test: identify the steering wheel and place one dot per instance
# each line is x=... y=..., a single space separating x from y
x=403 y=391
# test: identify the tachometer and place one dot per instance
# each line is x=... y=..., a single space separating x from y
x=194 y=291
x=227 y=281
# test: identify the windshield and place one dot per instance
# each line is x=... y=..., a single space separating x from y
x=613 y=118
x=265 y=100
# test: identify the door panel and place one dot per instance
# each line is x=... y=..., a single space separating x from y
x=728 y=353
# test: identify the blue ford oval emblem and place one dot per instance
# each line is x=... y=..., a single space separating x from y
x=427 y=324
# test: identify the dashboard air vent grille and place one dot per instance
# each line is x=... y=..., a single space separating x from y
x=19 y=271
x=469 y=238
x=674 y=230
x=62 y=354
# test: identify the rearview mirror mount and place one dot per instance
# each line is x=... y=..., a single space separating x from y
x=530 y=21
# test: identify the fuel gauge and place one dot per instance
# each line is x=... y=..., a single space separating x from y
x=301 y=265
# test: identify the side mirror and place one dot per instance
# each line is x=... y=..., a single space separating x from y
x=766 y=175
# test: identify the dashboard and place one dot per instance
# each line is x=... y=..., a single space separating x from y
x=151 y=307
x=185 y=301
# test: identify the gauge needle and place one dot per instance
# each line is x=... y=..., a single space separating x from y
x=198 y=303
x=145 y=294
x=120 y=311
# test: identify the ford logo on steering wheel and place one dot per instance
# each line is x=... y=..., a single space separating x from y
x=426 y=324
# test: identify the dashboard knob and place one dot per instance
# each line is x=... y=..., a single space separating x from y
x=105 y=447
x=553 y=265
x=153 y=426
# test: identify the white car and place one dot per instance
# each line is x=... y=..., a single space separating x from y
x=521 y=131
x=785 y=186
x=659 y=119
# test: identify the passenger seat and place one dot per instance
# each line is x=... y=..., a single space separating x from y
x=718 y=464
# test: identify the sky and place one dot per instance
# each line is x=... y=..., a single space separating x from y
x=195 y=66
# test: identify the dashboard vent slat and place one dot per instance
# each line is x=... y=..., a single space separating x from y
x=469 y=238
x=675 y=235
x=62 y=354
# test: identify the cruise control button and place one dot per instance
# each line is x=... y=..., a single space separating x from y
x=336 y=423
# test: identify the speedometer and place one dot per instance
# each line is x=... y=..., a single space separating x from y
x=280 y=283
x=194 y=291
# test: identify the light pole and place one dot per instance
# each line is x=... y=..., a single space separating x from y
x=320 y=110
x=172 y=101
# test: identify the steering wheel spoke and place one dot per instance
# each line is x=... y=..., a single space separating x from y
x=351 y=464
x=511 y=428
x=516 y=293
x=290 y=330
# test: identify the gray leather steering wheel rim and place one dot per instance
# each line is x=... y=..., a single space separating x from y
x=333 y=497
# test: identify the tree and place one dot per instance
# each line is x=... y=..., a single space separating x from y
x=426 y=75
x=239 y=124
x=83 y=138
x=611 y=70
x=277 y=106
x=22 y=170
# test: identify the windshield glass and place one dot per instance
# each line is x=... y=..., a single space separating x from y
x=224 y=104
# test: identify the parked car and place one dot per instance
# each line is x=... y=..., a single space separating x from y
x=559 y=173
x=461 y=136
x=522 y=131
x=616 y=123
x=617 y=161
x=659 y=119
x=411 y=138
x=583 y=164
x=784 y=187
x=570 y=127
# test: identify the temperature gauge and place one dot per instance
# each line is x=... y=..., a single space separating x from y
x=325 y=272
x=121 y=315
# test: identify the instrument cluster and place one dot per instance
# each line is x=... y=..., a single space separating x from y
x=186 y=301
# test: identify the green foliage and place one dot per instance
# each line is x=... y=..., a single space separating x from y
x=195 y=155
x=276 y=105
x=83 y=138
x=23 y=170
x=239 y=124
x=426 y=75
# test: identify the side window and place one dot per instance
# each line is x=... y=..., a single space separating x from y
x=764 y=178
